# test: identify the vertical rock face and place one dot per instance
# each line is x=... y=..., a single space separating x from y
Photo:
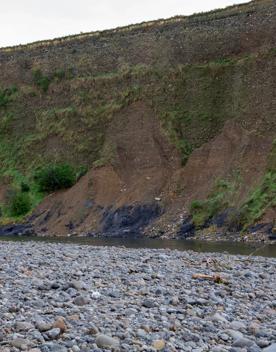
x=163 y=114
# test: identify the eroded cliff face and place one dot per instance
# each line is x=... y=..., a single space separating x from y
x=174 y=119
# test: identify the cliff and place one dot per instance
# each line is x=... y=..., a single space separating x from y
x=174 y=121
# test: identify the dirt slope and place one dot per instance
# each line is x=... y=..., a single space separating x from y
x=147 y=170
x=143 y=163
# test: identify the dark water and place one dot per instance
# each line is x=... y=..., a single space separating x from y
x=182 y=245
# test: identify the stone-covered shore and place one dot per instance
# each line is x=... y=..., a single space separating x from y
x=65 y=297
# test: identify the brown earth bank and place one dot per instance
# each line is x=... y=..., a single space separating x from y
x=147 y=191
x=175 y=121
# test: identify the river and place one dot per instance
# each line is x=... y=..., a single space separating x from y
x=258 y=249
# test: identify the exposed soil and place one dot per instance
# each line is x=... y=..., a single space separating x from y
x=142 y=164
x=236 y=154
x=145 y=169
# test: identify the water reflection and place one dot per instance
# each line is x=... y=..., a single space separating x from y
x=182 y=245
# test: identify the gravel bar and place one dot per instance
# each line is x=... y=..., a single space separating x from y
x=67 y=297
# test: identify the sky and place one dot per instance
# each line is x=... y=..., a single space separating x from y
x=24 y=21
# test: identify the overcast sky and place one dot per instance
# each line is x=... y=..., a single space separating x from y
x=23 y=21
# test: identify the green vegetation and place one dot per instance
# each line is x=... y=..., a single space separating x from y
x=259 y=200
x=19 y=204
x=25 y=187
x=6 y=96
x=41 y=80
x=55 y=177
x=80 y=172
x=22 y=195
x=262 y=198
x=69 y=126
x=25 y=193
x=5 y=122
x=218 y=200
x=59 y=74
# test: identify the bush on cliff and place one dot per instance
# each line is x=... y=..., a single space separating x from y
x=19 y=204
x=55 y=177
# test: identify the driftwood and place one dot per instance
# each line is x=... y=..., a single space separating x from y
x=215 y=278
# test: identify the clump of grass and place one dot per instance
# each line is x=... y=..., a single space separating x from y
x=185 y=149
x=218 y=200
x=262 y=198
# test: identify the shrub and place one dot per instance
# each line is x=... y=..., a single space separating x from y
x=19 y=204
x=54 y=177
x=41 y=81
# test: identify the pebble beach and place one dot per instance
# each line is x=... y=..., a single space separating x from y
x=68 y=297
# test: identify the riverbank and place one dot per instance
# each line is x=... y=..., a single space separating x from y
x=254 y=237
x=65 y=297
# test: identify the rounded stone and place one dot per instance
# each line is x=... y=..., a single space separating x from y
x=159 y=345
x=105 y=341
x=60 y=324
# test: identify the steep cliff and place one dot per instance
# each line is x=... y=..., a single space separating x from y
x=174 y=121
